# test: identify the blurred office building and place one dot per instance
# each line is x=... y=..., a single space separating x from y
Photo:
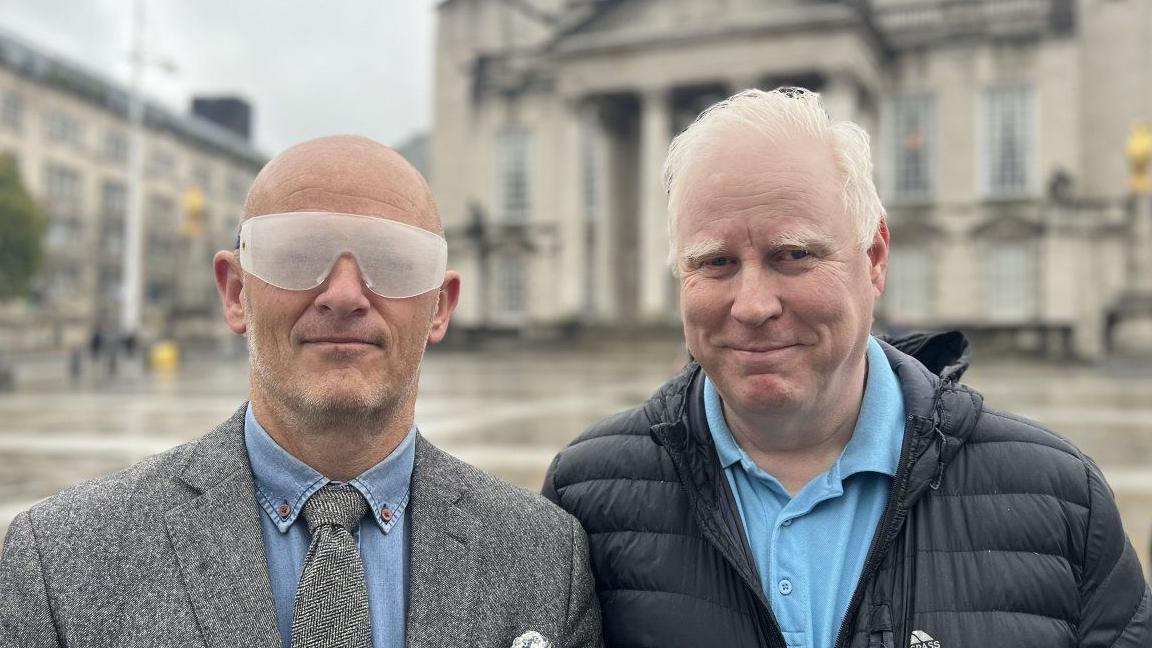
x=999 y=131
x=68 y=129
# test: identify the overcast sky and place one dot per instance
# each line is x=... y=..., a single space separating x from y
x=308 y=67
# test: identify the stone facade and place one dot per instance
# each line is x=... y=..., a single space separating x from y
x=998 y=133
x=68 y=129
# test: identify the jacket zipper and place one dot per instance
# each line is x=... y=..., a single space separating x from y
x=890 y=521
x=773 y=633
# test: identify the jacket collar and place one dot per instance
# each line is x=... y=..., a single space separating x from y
x=442 y=568
x=220 y=547
x=941 y=413
x=218 y=543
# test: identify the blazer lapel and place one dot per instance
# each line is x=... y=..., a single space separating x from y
x=441 y=566
x=219 y=545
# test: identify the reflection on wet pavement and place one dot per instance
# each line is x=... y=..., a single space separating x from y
x=508 y=411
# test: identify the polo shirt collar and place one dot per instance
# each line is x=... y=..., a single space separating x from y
x=729 y=452
x=876 y=439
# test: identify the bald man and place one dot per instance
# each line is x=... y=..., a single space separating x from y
x=316 y=515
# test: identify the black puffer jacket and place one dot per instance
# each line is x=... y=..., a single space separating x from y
x=997 y=532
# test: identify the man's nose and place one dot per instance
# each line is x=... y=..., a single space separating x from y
x=343 y=292
x=757 y=297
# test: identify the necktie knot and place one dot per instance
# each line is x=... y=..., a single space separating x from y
x=335 y=505
x=331 y=605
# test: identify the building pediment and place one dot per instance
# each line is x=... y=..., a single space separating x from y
x=910 y=225
x=1009 y=223
x=631 y=24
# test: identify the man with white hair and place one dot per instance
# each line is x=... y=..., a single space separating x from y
x=802 y=483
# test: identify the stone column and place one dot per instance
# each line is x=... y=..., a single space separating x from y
x=655 y=134
x=568 y=285
x=595 y=212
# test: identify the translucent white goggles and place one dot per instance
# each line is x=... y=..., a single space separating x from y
x=297 y=251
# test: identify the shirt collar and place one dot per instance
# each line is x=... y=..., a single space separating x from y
x=727 y=449
x=879 y=431
x=284 y=483
x=876 y=439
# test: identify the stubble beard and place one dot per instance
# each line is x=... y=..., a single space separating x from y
x=306 y=406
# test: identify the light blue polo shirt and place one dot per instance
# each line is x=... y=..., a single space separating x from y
x=810 y=549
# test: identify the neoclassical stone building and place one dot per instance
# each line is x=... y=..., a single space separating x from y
x=999 y=131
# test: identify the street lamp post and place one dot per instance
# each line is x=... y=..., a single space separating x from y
x=131 y=276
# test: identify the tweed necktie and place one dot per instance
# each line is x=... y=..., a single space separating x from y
x=331 y=605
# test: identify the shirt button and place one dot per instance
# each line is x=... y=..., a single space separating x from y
x=785 y=587
x=787 y=522
x=386 y=514
x=284 y=510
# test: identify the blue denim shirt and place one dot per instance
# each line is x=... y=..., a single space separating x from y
x=810 y=548
x=284 y=483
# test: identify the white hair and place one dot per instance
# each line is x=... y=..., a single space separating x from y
x=777 y=116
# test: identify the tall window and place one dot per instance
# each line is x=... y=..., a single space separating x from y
x=590 y=170
x=161 y=163
x=162 y=227
x=1008 y=140
x=913 y=131
x=1010 y=281
x=511 y=288
x=202 y=177
x=113 y=209
x=12 y=111
x=62 y=190
x=514 y=157
x=116 y=146
x=113 y=200
x=910 y=294
x=60 y=126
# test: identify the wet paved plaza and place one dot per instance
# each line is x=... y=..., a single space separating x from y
x=509 y=410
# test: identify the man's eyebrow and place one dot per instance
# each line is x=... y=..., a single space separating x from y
x=699 y=250
x=802 y=240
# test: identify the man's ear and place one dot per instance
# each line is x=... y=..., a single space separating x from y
x=878 y=256
x=446 y=300
x=229 y=283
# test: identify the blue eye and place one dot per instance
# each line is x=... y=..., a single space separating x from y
x=796 y=255
x=718 y=262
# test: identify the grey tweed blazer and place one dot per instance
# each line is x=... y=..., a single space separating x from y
x=169 y=553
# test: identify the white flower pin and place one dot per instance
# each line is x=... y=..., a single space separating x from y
x=531 y=639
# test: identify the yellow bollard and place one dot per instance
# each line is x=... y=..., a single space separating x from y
x=165 y=357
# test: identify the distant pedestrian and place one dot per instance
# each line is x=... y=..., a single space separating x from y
x=75 y=363
x=96 y=344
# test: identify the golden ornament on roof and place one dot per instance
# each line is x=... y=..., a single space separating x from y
x=1139 y=151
